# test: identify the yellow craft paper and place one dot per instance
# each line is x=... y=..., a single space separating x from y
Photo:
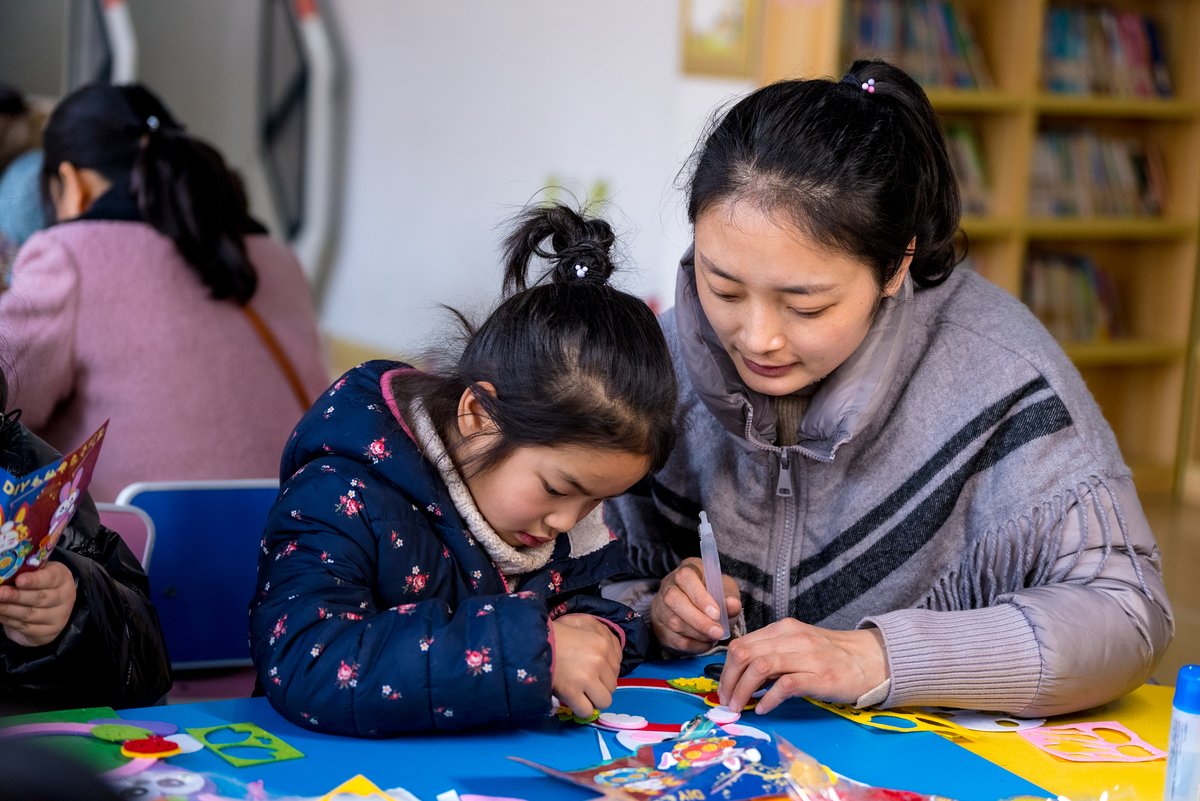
x=920 y=721
x=1147 y=711
x=358 y=787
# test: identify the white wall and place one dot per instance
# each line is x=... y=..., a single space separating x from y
x=459 y=112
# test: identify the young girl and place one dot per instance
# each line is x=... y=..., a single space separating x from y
x=432 y=562
x=156 y=302
x=916 y=498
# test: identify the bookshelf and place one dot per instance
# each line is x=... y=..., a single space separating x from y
x=1145 y=375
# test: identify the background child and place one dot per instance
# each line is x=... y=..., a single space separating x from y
x=413 y=576
x=916 y=498
x=155 y=302
x=80 y=630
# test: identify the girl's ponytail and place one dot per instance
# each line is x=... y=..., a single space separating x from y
x=580 y=248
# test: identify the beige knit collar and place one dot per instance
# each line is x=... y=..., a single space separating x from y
x=509 y=561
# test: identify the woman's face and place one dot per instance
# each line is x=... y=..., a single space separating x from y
x=787 y=310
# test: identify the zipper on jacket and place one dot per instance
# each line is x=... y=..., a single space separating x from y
x=782 y=590
x=783 y=487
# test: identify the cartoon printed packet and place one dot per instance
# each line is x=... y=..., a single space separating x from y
x=36 y=507
x=713 y=766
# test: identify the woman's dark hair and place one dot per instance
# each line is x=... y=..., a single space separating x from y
x=182 y=186
x=864 y=172
x=573 y=360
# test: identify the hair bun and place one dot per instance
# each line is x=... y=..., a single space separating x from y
x=586 y=260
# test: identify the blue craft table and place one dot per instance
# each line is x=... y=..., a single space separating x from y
x=477 y=762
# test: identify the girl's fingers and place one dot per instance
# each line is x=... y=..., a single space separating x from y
x=580 y=706
x=599 y=698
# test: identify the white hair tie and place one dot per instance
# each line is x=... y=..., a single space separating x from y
x=580 y=271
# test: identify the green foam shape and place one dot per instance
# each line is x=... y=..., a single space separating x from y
x=116 y=733
x=256 y=737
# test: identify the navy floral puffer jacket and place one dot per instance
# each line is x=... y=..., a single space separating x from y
x=376 y=612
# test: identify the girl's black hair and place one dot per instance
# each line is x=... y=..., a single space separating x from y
x=864 y=172
x=573 y=360
x=182 y=186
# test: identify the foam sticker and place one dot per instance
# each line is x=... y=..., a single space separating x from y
x=697 y=686
x=985 y=721
x=1104 y=741
x=722 y=714
x=617 y=720
x=152 y=746
x=633 y=740
x=152 y=726
x=117 y=733
x=742 y=730
x=186 y=742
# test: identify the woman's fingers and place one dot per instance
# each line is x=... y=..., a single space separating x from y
x=835 y=666
x=684 y=607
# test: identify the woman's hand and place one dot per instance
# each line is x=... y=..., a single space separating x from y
x=683 y=616
x=587 y=660
x=834 y=666
x=35 y=606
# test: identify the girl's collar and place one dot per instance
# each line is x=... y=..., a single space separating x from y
x=509 y=561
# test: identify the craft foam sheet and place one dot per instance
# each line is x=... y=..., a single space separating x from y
x=1103 y=741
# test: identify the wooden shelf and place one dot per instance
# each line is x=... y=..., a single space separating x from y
x=975 y=101
x=1124 y=353
x=1143 y=229
x=1145 y=382
x=1051 y=105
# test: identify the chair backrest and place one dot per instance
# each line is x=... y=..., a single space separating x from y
x=205 y=563
x=135 y=527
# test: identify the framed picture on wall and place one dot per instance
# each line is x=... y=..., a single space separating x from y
x=720 y=37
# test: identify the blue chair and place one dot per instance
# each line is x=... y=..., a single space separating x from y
x=134 y=527
x=207 y=536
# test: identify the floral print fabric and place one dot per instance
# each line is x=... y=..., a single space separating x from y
x=376 y=613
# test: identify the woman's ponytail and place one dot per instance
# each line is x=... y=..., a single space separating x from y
x=186 y=192
x=182 y=186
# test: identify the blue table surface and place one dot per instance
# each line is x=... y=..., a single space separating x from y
x=476 y=762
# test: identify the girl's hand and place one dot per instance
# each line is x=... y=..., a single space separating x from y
x=683 y=616
x=587 y=659
x=35 y=606
x=834 y=666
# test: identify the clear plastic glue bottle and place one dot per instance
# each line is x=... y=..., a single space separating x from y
x=1183 y=754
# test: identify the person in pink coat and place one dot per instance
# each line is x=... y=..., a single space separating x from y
x=155 y=302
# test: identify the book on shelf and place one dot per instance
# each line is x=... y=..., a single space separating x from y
x=1072 y=296
x=962 y=144
x=1102 y=50
x=933 y=40
x=1082 y=173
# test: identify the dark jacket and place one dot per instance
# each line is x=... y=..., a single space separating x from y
x=111 y=652
x=377 y=612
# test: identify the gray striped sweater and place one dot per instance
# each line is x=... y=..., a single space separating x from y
x=953 y=484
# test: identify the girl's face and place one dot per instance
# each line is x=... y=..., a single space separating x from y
x=787 y=310
x=537 y=493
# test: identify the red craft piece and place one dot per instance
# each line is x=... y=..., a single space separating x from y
x=152 y=746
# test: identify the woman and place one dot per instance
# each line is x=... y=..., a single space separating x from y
x=156 y=302
x=916 y=498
